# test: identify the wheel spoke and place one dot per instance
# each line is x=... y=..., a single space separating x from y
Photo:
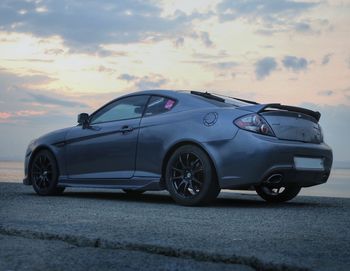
x=182 y=184
x=196 y=180
x=186 y=188
x=187 y=160
x=197 y=170
x=194 y=164
x=192 y=190
x=178 y=170
x=181 y=162
x=42 y=171
x=187 y=175
x=178 y=178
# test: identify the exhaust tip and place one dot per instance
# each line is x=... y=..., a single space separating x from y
x=274 y=178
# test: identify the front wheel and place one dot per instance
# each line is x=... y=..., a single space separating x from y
x=278 y=194
x=44 y=174
x=190 y=177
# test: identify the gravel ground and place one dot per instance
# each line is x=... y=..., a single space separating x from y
x=99 y=230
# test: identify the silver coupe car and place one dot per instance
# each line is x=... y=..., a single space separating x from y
x=192 y=144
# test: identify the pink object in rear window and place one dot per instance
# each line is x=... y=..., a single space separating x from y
x=169 y=104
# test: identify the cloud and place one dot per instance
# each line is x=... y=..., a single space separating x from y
x=85 y=25
x=347 y=93
x=7 y=116
x=150 y=83
x=44 y=99
x=127 y=77
x=264 y=67
x=326 y=58
x=303 y=27
x=203 y=37
x=294 y=63
x=179 y=42
x=206 y=39
x=22 y=96
x=267 y=10
x=272 y=16
x=153 y=81
x=8 y=79
x=225 y=65
x=336 y=132
x=326 y=92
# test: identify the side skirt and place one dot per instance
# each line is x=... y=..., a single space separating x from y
x=132 y=183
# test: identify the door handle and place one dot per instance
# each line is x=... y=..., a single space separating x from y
x=126 y=129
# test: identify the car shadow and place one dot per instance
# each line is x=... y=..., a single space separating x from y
x=224 y=200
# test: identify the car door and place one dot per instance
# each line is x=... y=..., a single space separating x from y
x=106 y=147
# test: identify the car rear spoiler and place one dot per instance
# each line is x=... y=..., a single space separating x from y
x=262 y=107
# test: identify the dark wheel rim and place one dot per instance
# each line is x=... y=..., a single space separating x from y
x=42 y=171
x=273 y=191
x=187 y=175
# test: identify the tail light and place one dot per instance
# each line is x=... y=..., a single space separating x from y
x=254 y=123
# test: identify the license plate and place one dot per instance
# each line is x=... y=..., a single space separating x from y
x=308 y=163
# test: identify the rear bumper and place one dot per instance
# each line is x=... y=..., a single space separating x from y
x=250 y=159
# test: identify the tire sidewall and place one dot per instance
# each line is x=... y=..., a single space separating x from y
x=290 y=192
x=208 y=176
x=52 y=189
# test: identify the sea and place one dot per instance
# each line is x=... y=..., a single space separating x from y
x=338 y=184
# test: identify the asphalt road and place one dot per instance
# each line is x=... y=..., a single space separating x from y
x=109 y=230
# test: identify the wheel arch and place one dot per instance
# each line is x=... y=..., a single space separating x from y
x=179 y=144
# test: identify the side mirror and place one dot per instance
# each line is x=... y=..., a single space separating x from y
x=83 y=119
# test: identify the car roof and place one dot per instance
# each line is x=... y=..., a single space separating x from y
x=187 y=97
x=163 y=92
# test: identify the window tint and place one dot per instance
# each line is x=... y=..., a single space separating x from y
x=127 y=108
x=158 y=105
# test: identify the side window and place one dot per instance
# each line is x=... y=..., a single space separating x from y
x=127 y=108
x=158 y=105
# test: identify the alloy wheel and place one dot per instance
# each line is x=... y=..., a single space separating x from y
x=187 y=175
x=42 y=171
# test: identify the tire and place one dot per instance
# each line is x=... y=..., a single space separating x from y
x=190 y=177
x=274 y=195
x=133 y=192
x=44 y=174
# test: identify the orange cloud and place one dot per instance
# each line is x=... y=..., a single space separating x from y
x=21 y=113
x=29 y=113
x=5 y=115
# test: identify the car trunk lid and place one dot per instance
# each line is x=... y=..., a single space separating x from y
x=290 y=122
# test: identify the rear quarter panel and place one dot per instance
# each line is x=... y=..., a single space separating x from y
x=159 y=133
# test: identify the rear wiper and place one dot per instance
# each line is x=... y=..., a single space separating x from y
x=208 y=96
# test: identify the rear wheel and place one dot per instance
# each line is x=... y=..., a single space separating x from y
x=190 y=177
x=276 y=194
x=44 y=174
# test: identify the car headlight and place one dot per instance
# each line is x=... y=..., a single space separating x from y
x=254 y=123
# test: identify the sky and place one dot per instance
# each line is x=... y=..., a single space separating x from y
x=60 y=58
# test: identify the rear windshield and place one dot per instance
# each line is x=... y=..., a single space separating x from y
x=220 y=100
